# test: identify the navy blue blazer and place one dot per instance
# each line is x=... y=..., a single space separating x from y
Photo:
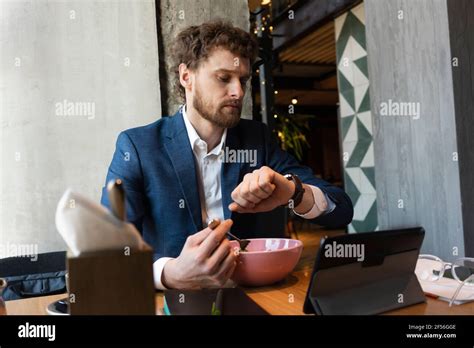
x=156 y=164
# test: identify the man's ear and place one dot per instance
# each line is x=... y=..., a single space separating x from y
x=185 y=76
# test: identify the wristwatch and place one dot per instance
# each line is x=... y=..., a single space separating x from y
x=297 y=197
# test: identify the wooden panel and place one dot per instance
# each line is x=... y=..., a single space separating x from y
x=311 y=51
x=408 y=61
x=308 y=16
x=310 y=48
x=93 y=277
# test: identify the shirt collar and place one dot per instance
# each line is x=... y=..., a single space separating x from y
x=194 y=136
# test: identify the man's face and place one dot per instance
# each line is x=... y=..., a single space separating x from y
x=219 y=87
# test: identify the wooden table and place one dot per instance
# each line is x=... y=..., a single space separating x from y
x=285 y=298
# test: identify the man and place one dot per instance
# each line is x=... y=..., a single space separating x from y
x=178 y=173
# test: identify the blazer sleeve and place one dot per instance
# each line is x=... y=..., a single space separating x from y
x=126 y=166
x=283 y=163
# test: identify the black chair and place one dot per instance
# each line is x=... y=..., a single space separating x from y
x=41 y=275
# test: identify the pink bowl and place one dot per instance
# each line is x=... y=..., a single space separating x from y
x=267 y=260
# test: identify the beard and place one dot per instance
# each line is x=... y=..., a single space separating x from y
x=221 y=116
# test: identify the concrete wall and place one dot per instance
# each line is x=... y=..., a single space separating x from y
x=178 y=14
x=101 y=53
x=416 y=174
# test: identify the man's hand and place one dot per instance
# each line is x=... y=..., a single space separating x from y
x=260 y=191
x=206 y=261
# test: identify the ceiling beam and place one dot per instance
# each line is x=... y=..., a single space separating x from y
x=307 y=17
x=297 y=83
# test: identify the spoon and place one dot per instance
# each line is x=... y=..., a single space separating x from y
x=242 y=242
x=116 y=193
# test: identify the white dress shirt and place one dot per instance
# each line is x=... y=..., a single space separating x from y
x=208 y=165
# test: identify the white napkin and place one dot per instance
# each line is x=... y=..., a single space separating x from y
x=442 y=287
x=87 y=226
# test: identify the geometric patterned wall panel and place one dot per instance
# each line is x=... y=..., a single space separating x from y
x=355 y=118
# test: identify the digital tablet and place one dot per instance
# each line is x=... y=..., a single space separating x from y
x=365 y=273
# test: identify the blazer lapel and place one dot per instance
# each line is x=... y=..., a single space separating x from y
x=182 y=157
x=230 y=172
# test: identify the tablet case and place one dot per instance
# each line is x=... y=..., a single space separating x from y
x=384 y=280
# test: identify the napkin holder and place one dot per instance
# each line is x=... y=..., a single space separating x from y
x=112 y=282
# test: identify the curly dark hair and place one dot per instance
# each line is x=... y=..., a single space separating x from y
x=194 y=44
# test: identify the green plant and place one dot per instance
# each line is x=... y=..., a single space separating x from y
x=215 y=310
x=291 y=133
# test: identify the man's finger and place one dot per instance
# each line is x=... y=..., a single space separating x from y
x=265 y=182
x=230 y=271
x=239 y=209
x=256 y=190
x=226 y=276
x=242 y=201
x=243 y=190
x=246 y=194
x=233 y=206
x=220 y=254
x=226 y=265
x=199 y=237
x=214 y=238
